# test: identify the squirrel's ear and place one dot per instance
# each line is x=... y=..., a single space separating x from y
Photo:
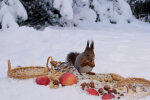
x=87 y=46
x=92 y=45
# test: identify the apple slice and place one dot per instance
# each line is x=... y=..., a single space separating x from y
x=42 y=80
x=92 y=92
x=108 y=96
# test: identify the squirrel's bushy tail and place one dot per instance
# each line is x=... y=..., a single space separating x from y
x=71 y=57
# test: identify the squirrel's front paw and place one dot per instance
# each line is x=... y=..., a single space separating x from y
x=87 y=63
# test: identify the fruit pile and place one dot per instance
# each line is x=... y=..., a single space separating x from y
x=65 y=79
x=105 y=89
x=106 y=86
x=106 y=92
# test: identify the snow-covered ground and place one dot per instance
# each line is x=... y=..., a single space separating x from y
x=123 y=49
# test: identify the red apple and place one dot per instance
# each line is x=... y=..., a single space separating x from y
x=108 y=96
x=92 y=92
x=42 y=80
x=68 y=79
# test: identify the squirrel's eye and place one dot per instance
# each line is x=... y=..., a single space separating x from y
x=87 y=55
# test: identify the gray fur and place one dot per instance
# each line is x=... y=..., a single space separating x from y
x=78 y=62
x=77 y=59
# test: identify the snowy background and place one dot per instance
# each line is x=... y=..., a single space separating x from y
x=122 y=48
x=42 y=13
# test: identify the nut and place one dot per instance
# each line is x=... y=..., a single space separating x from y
x=116 y=77
x=102 y=79
x=100 y=90
x=56 y=82
x=106 y=87
x=83 y=85
x=92 y=85
x=109 y=91
x=121 y=94
x=110 y=79
x=114 y=91
x=106 y=79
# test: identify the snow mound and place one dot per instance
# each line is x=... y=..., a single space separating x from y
x=64 y=12
x=11 y=11
x=65 y=8
x=109 y=11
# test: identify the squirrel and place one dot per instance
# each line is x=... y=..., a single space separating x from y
x=83 y=62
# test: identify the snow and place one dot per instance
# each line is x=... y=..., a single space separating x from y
x=121 y=48
x=81 y=11
x=126 y=11
x=73 y=12
x=117 y=11
x=65 y=8
x=10 y=12
x=8 y=21
x=85 y=14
